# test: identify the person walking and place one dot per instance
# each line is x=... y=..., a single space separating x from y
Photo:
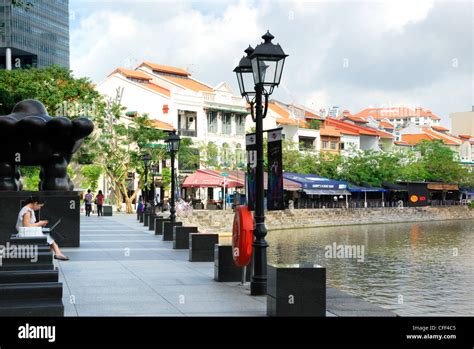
x=27 y=218
x=88 y=202
x=99 y=199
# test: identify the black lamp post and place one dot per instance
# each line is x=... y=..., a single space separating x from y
x=154 y=173
x=172 y=146
x=258 y=74
x=146 y=160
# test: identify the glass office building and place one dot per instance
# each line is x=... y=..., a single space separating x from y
x=34 y=37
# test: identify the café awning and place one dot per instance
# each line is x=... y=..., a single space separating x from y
x=316 y=185
x=203 y=179
x=442 y=186
x=360 y=189
x=327 y=192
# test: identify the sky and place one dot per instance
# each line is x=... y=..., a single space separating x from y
x=351 y=54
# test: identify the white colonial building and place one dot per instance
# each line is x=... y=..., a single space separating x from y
x=175 y=100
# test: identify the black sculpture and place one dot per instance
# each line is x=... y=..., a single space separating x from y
x=30 y=137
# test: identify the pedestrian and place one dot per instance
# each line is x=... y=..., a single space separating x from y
x=99 y=199
x=140 y=206
x=88 y=202
x=27 y=218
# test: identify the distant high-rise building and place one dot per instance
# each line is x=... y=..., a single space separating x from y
x=333 y=112
x=34 y=37
x=462 y=123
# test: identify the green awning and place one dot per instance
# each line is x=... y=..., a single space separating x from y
x=226 y=109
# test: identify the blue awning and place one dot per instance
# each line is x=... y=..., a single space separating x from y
x=358 y=189
x=467 y=191
x=317 y=185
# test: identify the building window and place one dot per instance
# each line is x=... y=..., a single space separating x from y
x=240 y=124
x=306 y=143
x=227 y=123
x=341 y=146
x=334 y=145
x=325 y=144
x=210 y=193
x=212 y=122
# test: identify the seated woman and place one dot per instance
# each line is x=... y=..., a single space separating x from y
x=26 y=218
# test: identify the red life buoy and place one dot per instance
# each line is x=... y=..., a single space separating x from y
x=242 y=236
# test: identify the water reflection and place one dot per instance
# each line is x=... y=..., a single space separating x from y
x=410 y=268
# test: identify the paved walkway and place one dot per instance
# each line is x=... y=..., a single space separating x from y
x=122 y=269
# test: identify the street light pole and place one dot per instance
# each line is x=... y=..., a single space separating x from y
x=172 y=208
x=258 y=286
x=172 y=144
x=146 y=160
x=258 y=74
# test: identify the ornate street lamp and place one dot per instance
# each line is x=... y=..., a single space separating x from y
x=245 y=76
x=172 y=146
x=265 y=64
x=146 y=158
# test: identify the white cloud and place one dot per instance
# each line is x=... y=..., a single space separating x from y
x=397 y=51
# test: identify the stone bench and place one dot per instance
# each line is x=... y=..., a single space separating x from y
x=224 y=268
x=181 y=237
x=296 y=290
x=152 y=222
x=168 y=229
x=159 y=225
x=107 y=210
x=201 y=246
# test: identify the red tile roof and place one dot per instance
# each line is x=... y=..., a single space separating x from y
x=157 y=88
x=361 y=130
x=386 y=124
x=311 y=115
x=327 y=130
x=188 y=83
x=465 y=136
x=132 y=74
x=165 y=69
x=161 y=125
x=413 y=139
x=450 y=140
x=439 y=128
x=284 y=113
x=396 y=113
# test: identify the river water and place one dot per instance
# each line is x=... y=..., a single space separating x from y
x=416 y=269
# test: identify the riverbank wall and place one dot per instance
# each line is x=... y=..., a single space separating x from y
x=221 y=221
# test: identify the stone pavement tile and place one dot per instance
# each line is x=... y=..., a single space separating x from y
x=190 y=307
x=229 y=314
x=147 y=267
x=101 y=299
x=179 y=278
x=87 y=256
x=127 y=309
x=69 y=309
x=94 y=282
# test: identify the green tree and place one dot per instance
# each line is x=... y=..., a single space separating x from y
x=439 y=163
x=30 y=177
x=188 y=155
x=212 y=152
x=370 y=168
x=61 y=93
x=91 y=174
x=122 y=141
x=314 y=124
